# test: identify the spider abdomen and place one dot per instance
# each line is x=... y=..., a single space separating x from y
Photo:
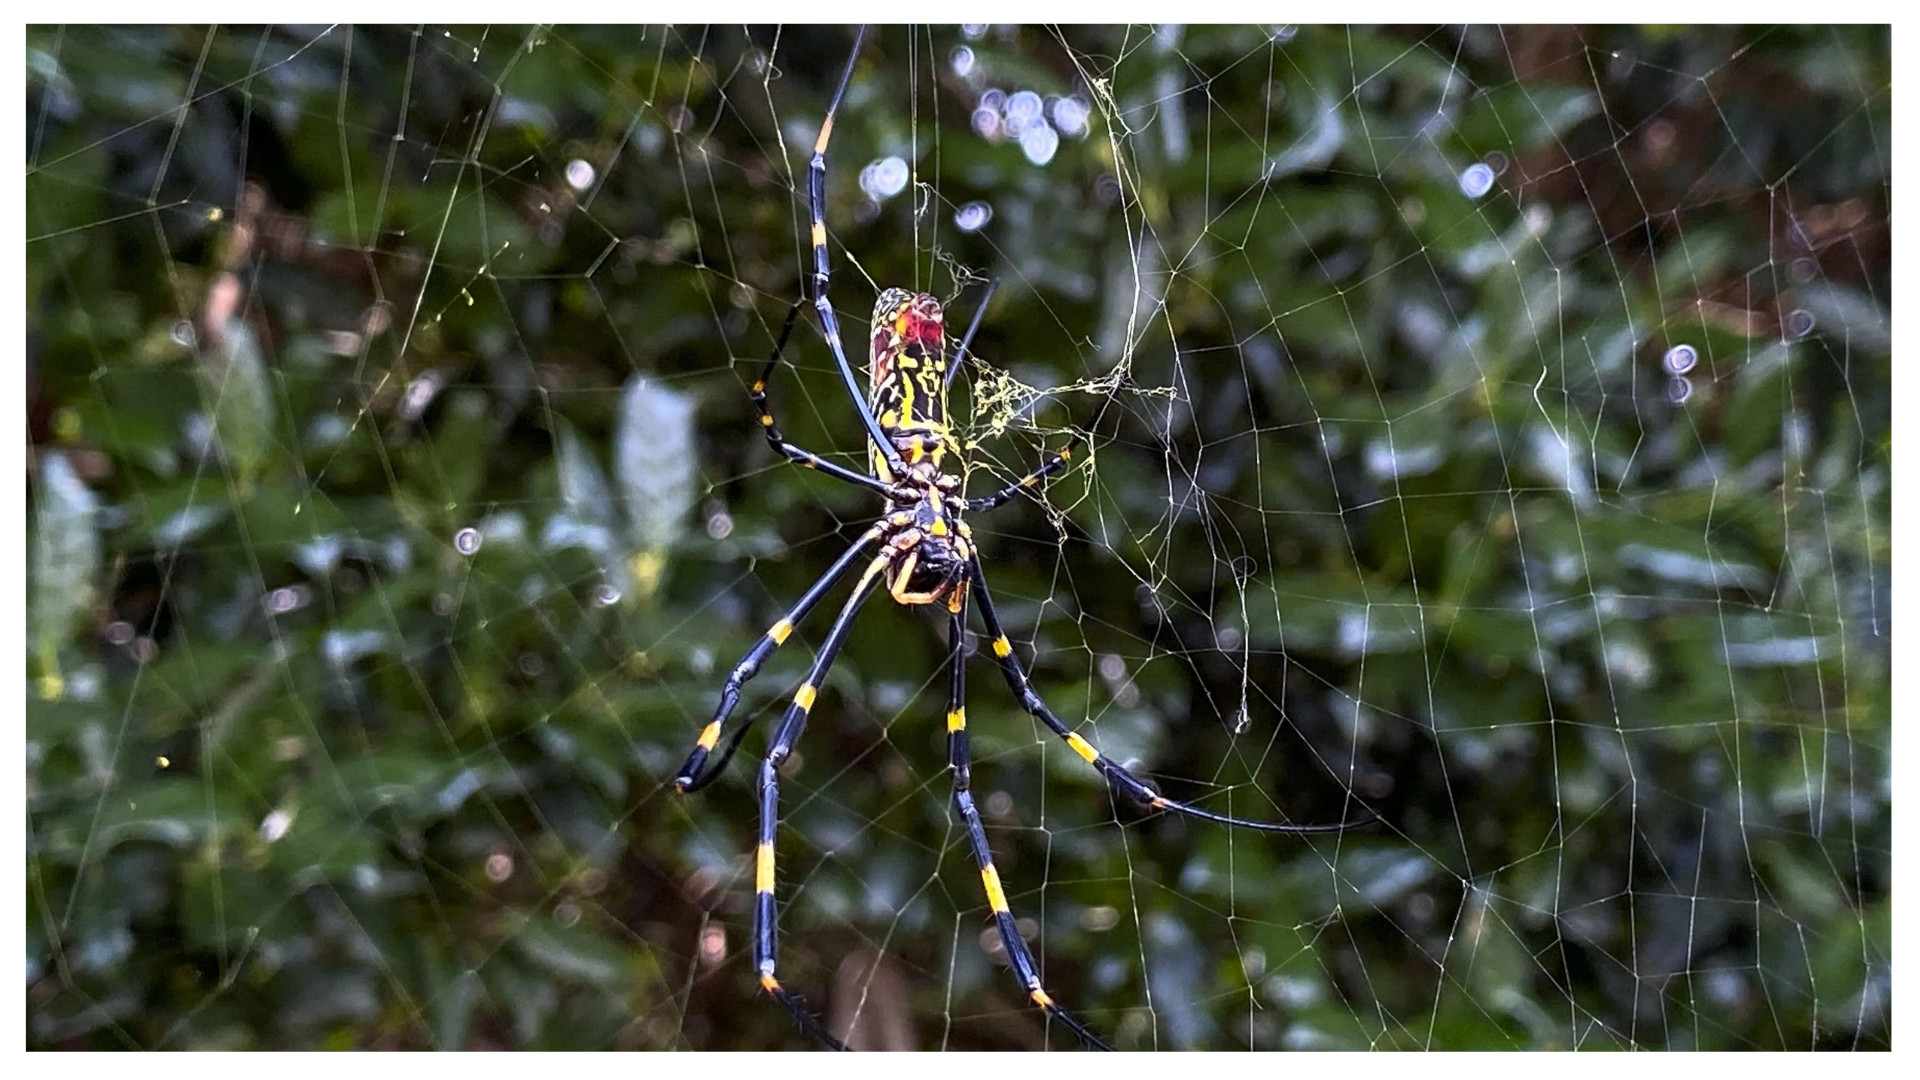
x=907 y=376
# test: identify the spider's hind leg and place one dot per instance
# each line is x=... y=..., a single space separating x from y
x=766 y=912
x=692 y=775
x=960 y=756
x=1117 y=775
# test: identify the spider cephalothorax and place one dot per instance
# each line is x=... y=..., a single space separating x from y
x=934 y=546
x=925 y=554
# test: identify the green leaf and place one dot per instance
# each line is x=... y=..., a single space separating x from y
x=655 y=458
x=235 y=385
x=65 y=564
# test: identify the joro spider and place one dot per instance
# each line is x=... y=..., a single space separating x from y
x=926 y=556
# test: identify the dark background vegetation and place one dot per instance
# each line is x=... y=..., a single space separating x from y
x=397 y=509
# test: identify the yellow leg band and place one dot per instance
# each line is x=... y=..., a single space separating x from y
x=957 y=720
x=763 y=869
x=1082 y=747
x=710 y=736
x=779 y=631
x=804 y=696
x=996 y=896
x=1001 y=648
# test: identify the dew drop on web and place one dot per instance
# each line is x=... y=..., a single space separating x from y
x=973 y=216
x=1476 y=180
x=1680 y=359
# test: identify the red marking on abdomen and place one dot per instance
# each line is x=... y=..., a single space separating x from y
x=924 y=332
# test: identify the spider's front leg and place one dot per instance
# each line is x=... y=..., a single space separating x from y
x=758 y=392
x=823 y=271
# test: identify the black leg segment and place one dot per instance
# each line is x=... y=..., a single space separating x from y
x=960 y=756
x=690 y=778
x=822 y=273
x=1116 y=774
x=766 y=915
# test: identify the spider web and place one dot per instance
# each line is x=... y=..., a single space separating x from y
x=1493 y=434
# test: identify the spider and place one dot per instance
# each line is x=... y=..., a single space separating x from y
x=925 y=556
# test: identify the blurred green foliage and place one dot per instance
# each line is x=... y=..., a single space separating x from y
x=397 y=509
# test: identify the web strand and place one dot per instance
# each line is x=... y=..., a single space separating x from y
x=1487 y=427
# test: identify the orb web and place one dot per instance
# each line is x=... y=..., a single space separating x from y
x=1487 y=428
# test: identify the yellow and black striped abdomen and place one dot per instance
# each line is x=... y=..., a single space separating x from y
x=908 y=371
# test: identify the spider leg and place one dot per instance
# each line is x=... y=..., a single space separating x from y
x=758 y=392
x=979 y=313
x=690 y=778
x=1116 y=774
x=1053 y=464
x=829 y=323
x=766 y=916
x=960 y=756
